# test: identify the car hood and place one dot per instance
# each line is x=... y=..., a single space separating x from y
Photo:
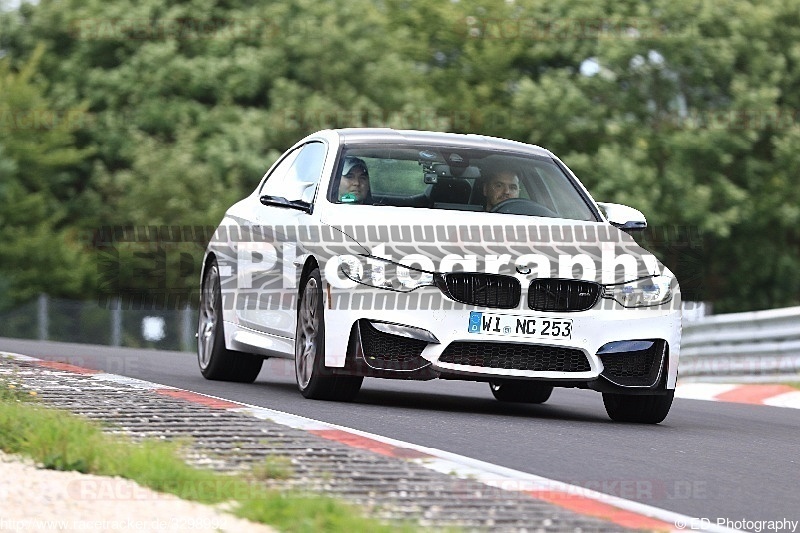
x=522 y=246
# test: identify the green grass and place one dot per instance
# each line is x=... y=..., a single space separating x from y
x=274 y=467
x=795 y=384
x=62 y=441
x=13 y=391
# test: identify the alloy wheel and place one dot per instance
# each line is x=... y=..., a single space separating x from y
x=207 y=326
x=306 y=343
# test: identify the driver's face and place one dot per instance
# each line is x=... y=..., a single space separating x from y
x=502 y=186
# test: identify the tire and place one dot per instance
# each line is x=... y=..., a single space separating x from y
x=643 y=409
x=521 y=391
x=314 y=380
x=215 y=360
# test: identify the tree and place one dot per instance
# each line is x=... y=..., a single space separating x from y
x=681 y=108
x=41 y=190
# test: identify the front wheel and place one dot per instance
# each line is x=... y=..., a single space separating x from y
x=521 y=391
x=314 y=380
x=215 y=360
x=643 y=409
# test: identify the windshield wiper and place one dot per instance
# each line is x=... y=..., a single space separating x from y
x=280 y=201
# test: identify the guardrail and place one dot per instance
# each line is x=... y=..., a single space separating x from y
x=112 y=323
x=753 y=346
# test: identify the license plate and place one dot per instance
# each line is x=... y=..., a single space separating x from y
x=529 y=327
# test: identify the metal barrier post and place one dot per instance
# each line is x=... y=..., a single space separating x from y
x=187 y=331
x=116 y=322
x=44 y=324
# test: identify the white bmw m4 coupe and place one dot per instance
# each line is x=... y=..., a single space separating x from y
x=420 y=255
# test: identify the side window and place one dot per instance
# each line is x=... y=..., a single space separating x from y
x=277 y=177
x=297 y=172
x=395 y=176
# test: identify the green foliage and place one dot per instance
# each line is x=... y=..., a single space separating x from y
x=41 y=189
x=690 y=113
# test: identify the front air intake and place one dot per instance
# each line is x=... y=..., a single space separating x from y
x=516 y=356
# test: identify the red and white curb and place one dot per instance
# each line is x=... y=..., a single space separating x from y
x=761 y=394
x=587 y=502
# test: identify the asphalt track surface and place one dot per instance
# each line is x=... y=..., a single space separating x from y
x=707 y=459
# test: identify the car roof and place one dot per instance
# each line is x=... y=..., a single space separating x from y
x=391 y=136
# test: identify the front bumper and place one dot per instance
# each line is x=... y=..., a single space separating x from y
x=657 y=331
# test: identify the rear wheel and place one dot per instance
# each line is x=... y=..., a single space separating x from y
x=644 y=409
x=215 y=360
x=521 y=391
x=313 y=379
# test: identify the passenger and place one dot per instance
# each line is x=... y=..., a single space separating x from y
x=354 y=185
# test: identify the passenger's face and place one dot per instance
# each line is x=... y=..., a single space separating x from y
x=501 y=187
x=356 y=183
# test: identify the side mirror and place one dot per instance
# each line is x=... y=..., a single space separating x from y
x=623 y=217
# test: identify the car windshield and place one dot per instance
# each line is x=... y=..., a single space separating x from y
x=460 y=179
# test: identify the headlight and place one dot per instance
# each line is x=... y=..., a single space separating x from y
x=384 y=274
x=643 y=292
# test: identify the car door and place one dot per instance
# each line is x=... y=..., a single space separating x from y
x=267 y=263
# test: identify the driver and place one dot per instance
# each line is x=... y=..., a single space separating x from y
x=500 y=186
